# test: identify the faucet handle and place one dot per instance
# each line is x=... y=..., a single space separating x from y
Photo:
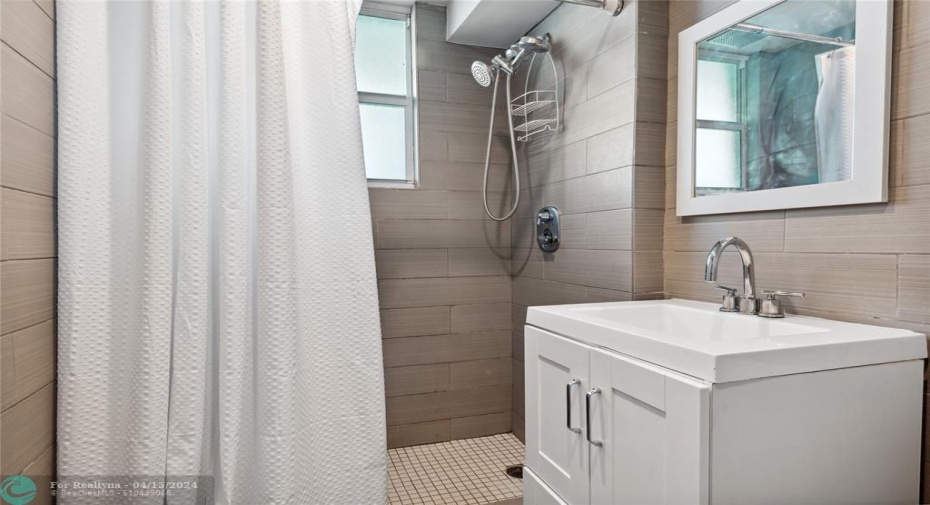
x=770 y=305
x=729 y=290
x=770 y=295
x=730 y=302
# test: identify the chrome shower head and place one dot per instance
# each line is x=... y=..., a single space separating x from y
x=508 y=62
x=483 y=73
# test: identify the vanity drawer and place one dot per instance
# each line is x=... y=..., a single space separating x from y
x=640 y=381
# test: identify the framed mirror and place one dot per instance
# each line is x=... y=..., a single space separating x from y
x=784 y=104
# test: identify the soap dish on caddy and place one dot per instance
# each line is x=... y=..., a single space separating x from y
x=539 y=110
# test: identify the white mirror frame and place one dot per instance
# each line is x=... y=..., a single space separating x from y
x=869 y=183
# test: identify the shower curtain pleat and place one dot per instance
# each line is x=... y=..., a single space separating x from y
x=188 y=450
x=217 y=289
x=235 y=258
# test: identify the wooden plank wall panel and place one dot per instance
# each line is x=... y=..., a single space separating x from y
x=443 y=267
x=605 y=171
x=864 y=263
x=27 y=240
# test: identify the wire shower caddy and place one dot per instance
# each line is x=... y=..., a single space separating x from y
x=539 y=108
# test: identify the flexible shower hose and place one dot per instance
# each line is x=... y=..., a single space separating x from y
x=513 y=149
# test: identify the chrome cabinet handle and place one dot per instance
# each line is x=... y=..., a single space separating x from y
x=587 y=401
x=568 y=404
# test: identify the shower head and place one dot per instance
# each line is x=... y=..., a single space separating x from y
x=483 y=73
x=508 y=62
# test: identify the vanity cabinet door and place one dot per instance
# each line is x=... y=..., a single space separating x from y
x=556 y=380
x=652 y=427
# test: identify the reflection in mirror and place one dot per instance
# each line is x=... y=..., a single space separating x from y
x=775 y=97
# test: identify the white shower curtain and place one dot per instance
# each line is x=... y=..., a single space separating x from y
x=834 y=113
x=218 y=312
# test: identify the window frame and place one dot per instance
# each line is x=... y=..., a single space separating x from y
x=739 y=125
x=409 y=102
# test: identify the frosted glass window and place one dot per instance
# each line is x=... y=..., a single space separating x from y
x=384 y=141
x=381 y=55
x=718 y=162
x=717 y=98
x=386 y=102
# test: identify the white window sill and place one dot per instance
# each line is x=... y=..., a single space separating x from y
x=391 y=184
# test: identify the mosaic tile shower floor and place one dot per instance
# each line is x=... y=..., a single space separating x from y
x=469 y=472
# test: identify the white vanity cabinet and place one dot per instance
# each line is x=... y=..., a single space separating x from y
x=647 y=428
x=603 y=427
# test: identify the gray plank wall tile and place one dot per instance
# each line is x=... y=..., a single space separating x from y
x=29 y=93
x=411 y=263
x=604 y=172
x=914 y=288
x=488 y=372
x=404 y=435
x=28 y=331
x=469 y=205
x=480 y=426
x=433 y=349
x=611 y=149
x=415 y=322
x=910 y=153
x=31 y=32
x=865 y=263
x=28 y=158
x=484 y=317
x=448 y=405
x=442 y=233
x=28 y=225
x=406 y=204
x=418 y=379
x=479 y=262
x=443 y=267
x=408 y=293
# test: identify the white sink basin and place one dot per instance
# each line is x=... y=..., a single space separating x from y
x=697 y=339
x=675 y=321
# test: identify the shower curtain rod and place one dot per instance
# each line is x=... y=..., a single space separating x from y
x=746 y=27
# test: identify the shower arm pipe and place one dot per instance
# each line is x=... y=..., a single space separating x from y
x=612 y=6
x=513 y=149
x=750 y=28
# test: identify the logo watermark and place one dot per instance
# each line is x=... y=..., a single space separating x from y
x=18 y=490
x=118 y=489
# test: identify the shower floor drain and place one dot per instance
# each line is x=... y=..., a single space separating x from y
x=515 y=471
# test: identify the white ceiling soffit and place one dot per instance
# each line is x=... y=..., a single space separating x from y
x=493 y=23
x=405 y=3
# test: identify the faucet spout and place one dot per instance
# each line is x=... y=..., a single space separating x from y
x=749 y=276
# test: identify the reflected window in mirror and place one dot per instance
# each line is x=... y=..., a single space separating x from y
x=720 y=126
x=775 y=98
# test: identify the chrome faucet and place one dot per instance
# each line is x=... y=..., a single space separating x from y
x=747 y=303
